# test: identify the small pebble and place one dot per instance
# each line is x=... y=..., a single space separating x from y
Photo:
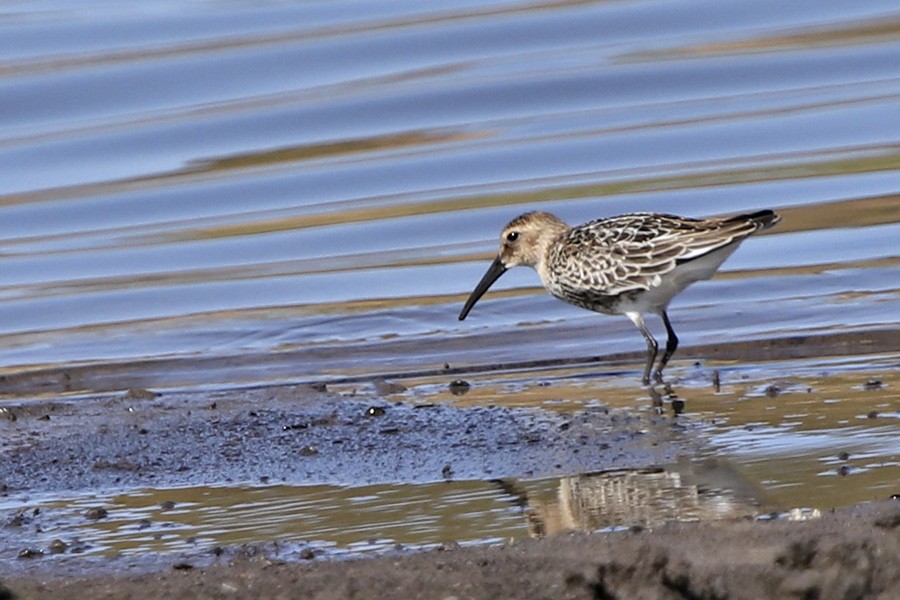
x=96 y=513
x=872 y=385
x=309 y=450
x=459 y=387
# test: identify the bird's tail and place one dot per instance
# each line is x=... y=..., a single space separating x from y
x=763 y=219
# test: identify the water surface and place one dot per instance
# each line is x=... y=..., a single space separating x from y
x=221 y=194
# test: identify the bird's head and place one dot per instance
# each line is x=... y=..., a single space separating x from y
x=524 y=241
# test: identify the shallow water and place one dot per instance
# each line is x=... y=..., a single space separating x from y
x=215 y=195
x=338 y=521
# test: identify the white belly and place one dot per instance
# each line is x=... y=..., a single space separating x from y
x=657 y=298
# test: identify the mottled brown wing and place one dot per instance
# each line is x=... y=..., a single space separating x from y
x=632 y=252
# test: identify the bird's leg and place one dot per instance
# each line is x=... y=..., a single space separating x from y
x=671 y=346
x=652 y=346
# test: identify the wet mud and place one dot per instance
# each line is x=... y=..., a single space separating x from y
x=607 y=461
x=293 y=435
x=297 y=434
x=851 y=553
x=400 y=358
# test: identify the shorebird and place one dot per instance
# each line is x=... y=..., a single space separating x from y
x=627 y=265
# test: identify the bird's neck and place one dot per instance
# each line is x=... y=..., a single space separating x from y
x=549 y=237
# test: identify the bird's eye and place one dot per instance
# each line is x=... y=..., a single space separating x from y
x=512 y=236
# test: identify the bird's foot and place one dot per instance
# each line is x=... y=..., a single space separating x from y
x=662 y=393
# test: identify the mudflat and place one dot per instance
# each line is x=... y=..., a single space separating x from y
x=851 y=553
x=302 y=434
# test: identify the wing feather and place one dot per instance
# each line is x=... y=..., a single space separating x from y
x=632 y=252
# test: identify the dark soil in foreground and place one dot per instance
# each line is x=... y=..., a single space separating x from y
x=304 y=434
x=852 y=553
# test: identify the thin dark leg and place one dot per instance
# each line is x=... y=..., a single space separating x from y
x=671 y=345
x=652 y=346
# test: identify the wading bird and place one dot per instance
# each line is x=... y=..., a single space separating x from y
x=627 y=265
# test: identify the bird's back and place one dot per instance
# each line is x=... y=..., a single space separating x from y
x=642 y=258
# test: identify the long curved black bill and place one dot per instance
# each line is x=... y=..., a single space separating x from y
x=494 y=272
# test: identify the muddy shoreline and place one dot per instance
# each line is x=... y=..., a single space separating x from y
x=400 y=359
x=309 y=433
x=119 y=444
x=304 y=434
x=849 y=553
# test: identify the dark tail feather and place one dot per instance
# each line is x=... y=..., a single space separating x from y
x=763 y=218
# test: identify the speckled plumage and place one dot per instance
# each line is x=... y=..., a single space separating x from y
x=631 y=264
